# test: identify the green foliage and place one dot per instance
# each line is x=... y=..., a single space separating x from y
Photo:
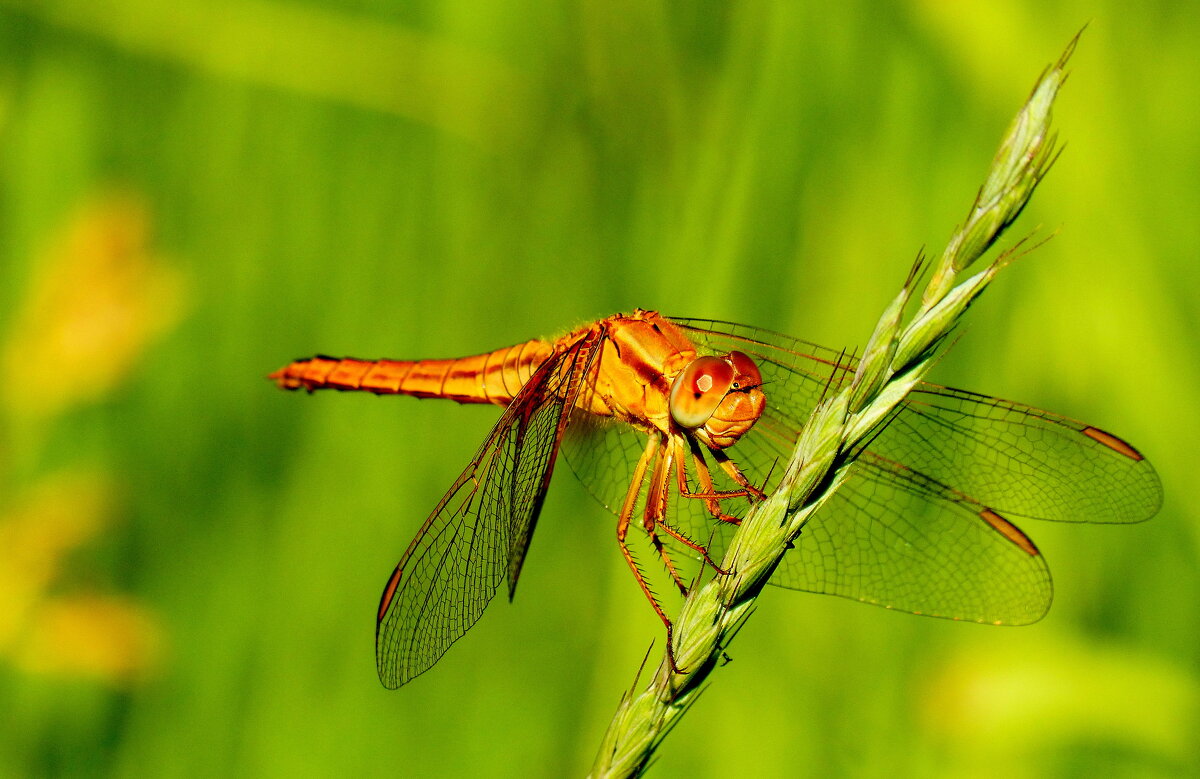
x=439 y=179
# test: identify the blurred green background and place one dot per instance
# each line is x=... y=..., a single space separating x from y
x=191 y=194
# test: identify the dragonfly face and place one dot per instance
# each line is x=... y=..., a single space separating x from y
x=718 y=398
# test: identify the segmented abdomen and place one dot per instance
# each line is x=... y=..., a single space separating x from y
x=494 y=377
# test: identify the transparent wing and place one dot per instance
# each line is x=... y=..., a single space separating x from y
x=1020 y=459
x=892 y=538
x=895 y=537
x=1015 y=458
x=604 y=453
x=481 y=529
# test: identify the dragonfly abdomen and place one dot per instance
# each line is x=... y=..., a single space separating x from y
x=494 y=377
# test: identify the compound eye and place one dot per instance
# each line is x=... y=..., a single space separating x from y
x=745 y=371
x=699 y=389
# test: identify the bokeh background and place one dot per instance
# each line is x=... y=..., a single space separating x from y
x=193 y=193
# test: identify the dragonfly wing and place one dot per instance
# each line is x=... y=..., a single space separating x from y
x=895 y=539
x=1023 y=460
x=480 y=530
x=603 y=454
x=1018 y=459
x=919 y=525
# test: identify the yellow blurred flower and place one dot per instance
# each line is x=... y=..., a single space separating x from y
x=102 y=636
x=97 y=298
x=109 y=638
x=60 y=514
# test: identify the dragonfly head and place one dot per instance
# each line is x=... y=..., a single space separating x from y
x=719 y=398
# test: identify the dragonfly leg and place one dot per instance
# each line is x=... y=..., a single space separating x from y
x=653 y=451
x=711 y=496
x=655 y=511
x=683 y=539
x=731 y=468
x=708 y=491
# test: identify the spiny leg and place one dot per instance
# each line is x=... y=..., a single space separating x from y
x=656 y=507
x=694 y=545
x=653 y=451
x=711 y=496
x=734 y=472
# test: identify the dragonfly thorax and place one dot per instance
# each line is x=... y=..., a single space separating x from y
x=719 y=398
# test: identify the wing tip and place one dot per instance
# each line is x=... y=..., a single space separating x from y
x=388 y=681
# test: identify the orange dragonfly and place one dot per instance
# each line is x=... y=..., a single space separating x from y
x=680 y=424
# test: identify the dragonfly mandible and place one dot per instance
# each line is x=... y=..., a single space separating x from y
x=679 y=425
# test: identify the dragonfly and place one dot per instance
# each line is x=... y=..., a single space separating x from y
x=679 y=425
